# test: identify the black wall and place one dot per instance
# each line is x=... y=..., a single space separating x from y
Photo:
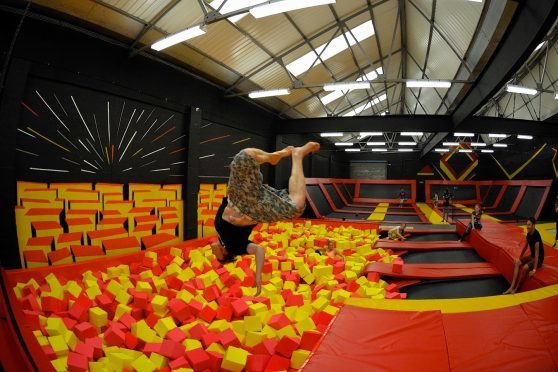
x=69 y=60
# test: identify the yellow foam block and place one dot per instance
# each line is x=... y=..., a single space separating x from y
x=114 y=287
x=349 y=275
x=120 y=310
x=143 y=364
x=58 y=345
x=286 y=331
x=123 y=298
x=219 y=325
x=216 y=348
x=234 y=359
x=298 y=358
x=98 y=317
x=164 y=325
x=332 y=310
x=159 y=303
x=143 y=332
x=93 y=292
x=309 y=279
x=322 y=270
x=320 y=303
x=252 y=323
x=257 y=308
x=144 y=287
x=307 y=324
x=191 y=344
x=55 y=327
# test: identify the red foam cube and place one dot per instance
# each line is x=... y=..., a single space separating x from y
x=373 y=277
x=140 y=300
x=179 y=310
x=224 y=313
x=278 y=321
x=228 y=338
x=198 y=331
x=287 y=345
x=97 y=344
x=176 y=334
x=257 y=362
x=79 y=312
x=295 y=300
x=211 y=293
x=77 y=362
x=85 y=330
x=278 y=363
x=131 y=341
x=239 y=308
x=216 y=360
x=209 y=338
x=195 y=307
x=172 y=349
x=309 y=340
x=198 y=359
x=181 y=362
x=266 y=347
x=86 y=350
x=397 y=266
x=207 y=314
x=114 y=336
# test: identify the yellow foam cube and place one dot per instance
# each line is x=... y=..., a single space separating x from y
x=349 y=275
x=114 y=287
x=60 y=364
x=320 y=303
x=341 y=295
x=286 y=331
x=55 y=326
x=58 y=345
x=144 y=287
x=309 y=279
x=123 y=298
x=158 y=360
x=143 y=332
x=121 y=309
x=257 y=308
x=331 y=310
x=191 y=344
x=71 y=340
x=286 y=266
x=143 y=364
x=234 y=359
x=216 y=347
x=306 y=324
x=164 y=325
x=98 y=317
x=252 y=323
x=159 y=303
x=322 y=270
x=298 y=358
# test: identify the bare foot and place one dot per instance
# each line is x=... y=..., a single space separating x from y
x=276 y=156
x=306 y=149
x=507 y=292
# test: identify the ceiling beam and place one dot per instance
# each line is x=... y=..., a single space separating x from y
x=531 y=22
x=423 y=123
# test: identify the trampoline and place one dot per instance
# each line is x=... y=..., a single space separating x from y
x=402 y=210
x=384 y=191
x=490 y=198
x=338 y=203
x=401 y=218
x=507 y=200
x=531 y=201
x=460 y=192
x=433 y=237
x=442 y=256
x=463 y=288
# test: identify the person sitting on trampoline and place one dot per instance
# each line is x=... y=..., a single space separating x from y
x=475 y=222
x=250 y=202
x=397 y=233
x=528 y=265
x=447 y=196
x=401 y=198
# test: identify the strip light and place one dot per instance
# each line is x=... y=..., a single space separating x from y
x=347 y=86
x=344 y=143
x=441 y=150
x=495 y=135
x=500 y=145
x=332 y=134
x=524 y=136
x=407 y=143
x=427 y=84
x=376 y=143
x=178 y=37
x=369 y=134
x=459 y=134
x=487 y=151
x=478 y=144
x=405 y=150
x=450 y=144
x=352 y=150
x=286 y=6
x=411 y=133
x=336 y=46
x=521 y=90
x=234 y=5
x=379 y=150
x=465 y=150
x=338 y=94
x=269 y=93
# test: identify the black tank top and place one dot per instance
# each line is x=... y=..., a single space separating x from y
x=234 y=238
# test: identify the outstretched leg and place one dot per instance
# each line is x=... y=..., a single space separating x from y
x=272 y=158
x=297 y=183
x=515 y=274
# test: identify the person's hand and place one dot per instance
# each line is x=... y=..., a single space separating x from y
x=258 y=286
x=532 y=272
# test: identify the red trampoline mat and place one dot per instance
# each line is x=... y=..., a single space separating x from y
x=544 y=316
x=363 y=339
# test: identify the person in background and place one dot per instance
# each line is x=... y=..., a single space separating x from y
x=475 y=222
x=397 y=233
x=435 y=200
x=250 y=202
x=330 y=250
x=447 y=196
x=401 y=198
x=528 y=265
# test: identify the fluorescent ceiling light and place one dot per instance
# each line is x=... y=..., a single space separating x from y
x=460 y=134
x=383 y=113
x=411 y=133
x=347 y=86
x=450 y=144
x=522 y=90
x=269 y=93
x=376 y=143
x=352 y=150
x=350 y=113
x=495 y=135
x=338 y=94
x=178 y=37
x=488 y=151
x=476 y=1
x=441 y=150
x=336 y=46
x=234 y=5
x=500 y=145
x=332 y=134
x=404 y=150
x=465 y=150
x=379 y=150
x=369 y=134
x=286 y=6
x=344 y=143
x=478 y=144
x=524 y=136
x=556 y=96
x=407 y=143
x=539 y=46
x=427 y=84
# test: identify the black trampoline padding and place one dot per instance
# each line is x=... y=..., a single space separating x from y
x=351 y=189
x=531 y=201
x=490 y=198
x=401 y=218
x=442 y=256
x=344 y=191
x=460 y=192
x=383 y=191
x=318 y=199
x=339 y=203
x=348 y=216
x=438 y=237
x=480 y=287
x=483 y=191
x=507 y=199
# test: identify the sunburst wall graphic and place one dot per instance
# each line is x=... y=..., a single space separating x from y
x=71 y=133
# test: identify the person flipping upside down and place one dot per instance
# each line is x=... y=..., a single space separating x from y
x=249 y=202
